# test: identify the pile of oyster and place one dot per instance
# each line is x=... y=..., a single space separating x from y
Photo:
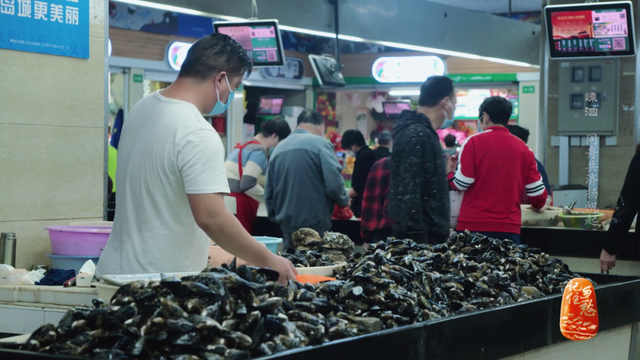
x=243 y=312
x=333 y=246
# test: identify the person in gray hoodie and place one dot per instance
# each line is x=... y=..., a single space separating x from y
x=304 y=180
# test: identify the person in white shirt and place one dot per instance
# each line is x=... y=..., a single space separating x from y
x=171 y=177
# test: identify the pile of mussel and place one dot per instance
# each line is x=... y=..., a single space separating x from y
x=306 y=258
x=221 y=313
x=402 y=282
x=241 y=312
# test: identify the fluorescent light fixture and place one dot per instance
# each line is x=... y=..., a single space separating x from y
x=404 y=92
x=331 y=35
x=176 y=53
x=109 y=48
x=407 y=69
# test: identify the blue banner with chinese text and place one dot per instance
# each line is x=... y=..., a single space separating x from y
x=55 y=27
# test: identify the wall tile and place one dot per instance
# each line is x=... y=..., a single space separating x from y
x=50 y=172
x=41 y=89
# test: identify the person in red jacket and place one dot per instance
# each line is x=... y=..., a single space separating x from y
x=494 y=169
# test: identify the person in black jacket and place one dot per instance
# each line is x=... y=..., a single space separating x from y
x=384 y=146
x=626 y=210
x=419 y=195
x=365 y=158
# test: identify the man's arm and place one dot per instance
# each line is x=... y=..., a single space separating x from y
x=332 y=175
x=225 y=230
x=249 y=181
x=201 y=164
x=626 y=209
x=268 y=195
x=464 y=175
x=534 y=187
x=361 y=172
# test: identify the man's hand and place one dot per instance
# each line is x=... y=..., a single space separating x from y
x=283 y=266
x=539 y=211
x=452 y=162
x=607 y=261
x=352 y=193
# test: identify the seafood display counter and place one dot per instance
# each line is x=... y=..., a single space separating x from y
x=579 y=248
x=530 y=329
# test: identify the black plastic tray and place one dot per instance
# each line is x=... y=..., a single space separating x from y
x=486 y=334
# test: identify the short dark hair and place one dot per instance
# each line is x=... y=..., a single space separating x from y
x=384 y=138
x=498 y=108
x=310 y=117
x=519 y=132
x=434 y=90
x=638 y=148
x=276 y=126
x=213 y=54
x=352 y=137
x=449 y=141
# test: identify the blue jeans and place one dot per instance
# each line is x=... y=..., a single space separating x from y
x=501 y=235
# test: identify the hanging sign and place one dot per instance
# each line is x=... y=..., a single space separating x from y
x=55 y=27
x=293 y=69
x=176 y=53
x=407 y=69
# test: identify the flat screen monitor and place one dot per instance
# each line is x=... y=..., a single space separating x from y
x=327 y=70
x=261 y=39
x=590 y=30
x=392 y=109
x=270 y=105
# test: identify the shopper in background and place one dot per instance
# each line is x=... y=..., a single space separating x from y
x=450 y=145
x=418 y=194
x=375 y=224
x=246 y=168
x=627 y=209
x=171 y=177
x=353 y=140
x=304 y=179
x=384 y=145
x=523 y=134
x=494 y=169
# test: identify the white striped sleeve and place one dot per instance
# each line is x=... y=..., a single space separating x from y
x=535 y=189
x=462 y=182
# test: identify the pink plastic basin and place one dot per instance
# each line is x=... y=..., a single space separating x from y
x=78 y=240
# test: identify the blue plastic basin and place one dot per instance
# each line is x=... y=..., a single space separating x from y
x=70 y=262
x=270 y=242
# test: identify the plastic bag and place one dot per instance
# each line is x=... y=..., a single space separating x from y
x=33 y=277
x=455 y=199
x=342 y=213
x=6 y=269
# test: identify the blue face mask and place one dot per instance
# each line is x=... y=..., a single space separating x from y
x=219 y=108
x=480 y=124
x=447 y=121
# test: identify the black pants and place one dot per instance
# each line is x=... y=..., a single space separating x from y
x=381 y=234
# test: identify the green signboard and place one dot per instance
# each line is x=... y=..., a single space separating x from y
x=529 y=89
x=137 y=78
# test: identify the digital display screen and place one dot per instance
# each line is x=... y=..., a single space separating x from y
x=270 y=105
x=261 y=39
x=393 y=108
x=590 y=30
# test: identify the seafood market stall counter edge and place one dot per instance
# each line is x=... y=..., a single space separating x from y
x=486 y=334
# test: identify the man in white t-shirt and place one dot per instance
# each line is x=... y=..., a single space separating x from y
x=171 y=177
